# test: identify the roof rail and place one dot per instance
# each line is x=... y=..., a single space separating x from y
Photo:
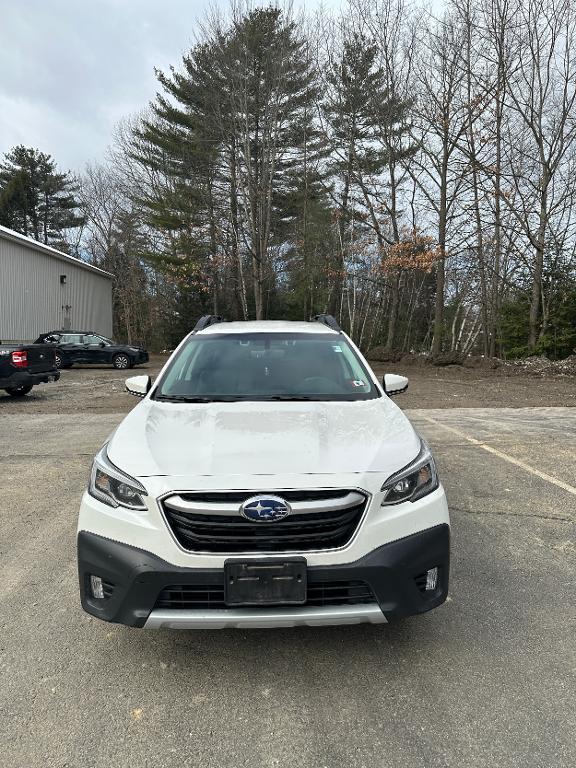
x=328 y=320
x=205 y=321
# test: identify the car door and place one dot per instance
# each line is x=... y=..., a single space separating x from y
x=72 y=347
x=108 y=350
x=94 y=348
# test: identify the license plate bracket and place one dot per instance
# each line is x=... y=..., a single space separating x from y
x=265 y=582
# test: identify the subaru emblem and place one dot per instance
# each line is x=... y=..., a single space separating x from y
x=265 y=509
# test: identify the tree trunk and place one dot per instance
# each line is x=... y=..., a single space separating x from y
x=214 y=251
x=393 y=311
x=538 y=265
x=441 y=267
x=257 y=284
x=499 y=102
x=535 y=299
x=240 y=288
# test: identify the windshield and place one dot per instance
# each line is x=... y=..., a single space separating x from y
x=266 y=366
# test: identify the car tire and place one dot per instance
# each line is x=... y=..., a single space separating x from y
x=121 y=361
x=19 y=391
x=61 y=362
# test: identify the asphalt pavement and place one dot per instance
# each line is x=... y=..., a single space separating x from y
x=487 y=680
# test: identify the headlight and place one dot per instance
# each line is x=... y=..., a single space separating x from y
x=113 y=487
x=414 y=481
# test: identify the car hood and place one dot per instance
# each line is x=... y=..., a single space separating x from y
x=263 y=438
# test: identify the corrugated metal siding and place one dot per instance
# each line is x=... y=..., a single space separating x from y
x=33 y=301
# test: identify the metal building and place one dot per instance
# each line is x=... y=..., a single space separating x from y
x=42 y=289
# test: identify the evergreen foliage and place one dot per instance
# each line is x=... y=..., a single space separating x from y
x=35 y=198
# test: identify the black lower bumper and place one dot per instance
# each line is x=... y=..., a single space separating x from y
x=26 y=379
x=134 y=579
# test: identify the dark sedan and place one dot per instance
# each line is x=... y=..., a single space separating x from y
x=89 y=347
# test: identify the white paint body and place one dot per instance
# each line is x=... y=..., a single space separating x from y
x=264 y=447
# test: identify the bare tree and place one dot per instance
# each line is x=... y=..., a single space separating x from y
x=113 y=236
x=541 y=139
x=443 y=116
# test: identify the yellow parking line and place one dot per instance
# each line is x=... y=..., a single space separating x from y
x=495 y=452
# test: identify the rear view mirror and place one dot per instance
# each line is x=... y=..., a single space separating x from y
x=138 y=385
x=393 y=384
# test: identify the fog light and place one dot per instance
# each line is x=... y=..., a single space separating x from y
x=431 y=579
x=98 y=588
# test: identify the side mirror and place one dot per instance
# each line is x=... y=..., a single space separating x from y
x=102 y=344
x=138 y=385
x=392 y=383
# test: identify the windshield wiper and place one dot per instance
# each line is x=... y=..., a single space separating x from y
x=291 y=397
x=230 y=398
x=193 y=399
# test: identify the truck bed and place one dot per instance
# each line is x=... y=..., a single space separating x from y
x=26 y=365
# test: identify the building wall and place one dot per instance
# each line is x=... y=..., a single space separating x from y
x=33 y=300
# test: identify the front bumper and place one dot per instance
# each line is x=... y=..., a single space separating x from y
x=135 y=578
x=25 y=378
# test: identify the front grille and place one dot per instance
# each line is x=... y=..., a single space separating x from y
x=211 y=522
x=189 y=596
x=211 y=596
x=339 y=593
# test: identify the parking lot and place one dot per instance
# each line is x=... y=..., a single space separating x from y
x=488 y=679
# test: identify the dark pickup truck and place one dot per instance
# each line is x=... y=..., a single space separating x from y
x=22 y=366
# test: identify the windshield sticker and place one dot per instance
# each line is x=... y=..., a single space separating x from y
x=358 y=383
x=336 y=348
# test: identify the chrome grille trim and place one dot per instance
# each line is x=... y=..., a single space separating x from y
x=347 y=501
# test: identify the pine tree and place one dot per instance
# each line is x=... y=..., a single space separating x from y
x=225 y=135
x=365 y=125
x=35 y=199
x=356 y=97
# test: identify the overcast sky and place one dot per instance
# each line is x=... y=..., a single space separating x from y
x=71 y=69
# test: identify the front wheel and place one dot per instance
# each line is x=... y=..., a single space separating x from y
x=121 y=361
x=19 y=391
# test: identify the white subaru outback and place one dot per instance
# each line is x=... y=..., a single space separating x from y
x=265 y=480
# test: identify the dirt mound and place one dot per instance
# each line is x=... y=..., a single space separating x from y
x=383 y=355
x=538 y=365
x=481 y=362
x=447 y=358
x=411 y=359
x=566 y=367
x=441 y=360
